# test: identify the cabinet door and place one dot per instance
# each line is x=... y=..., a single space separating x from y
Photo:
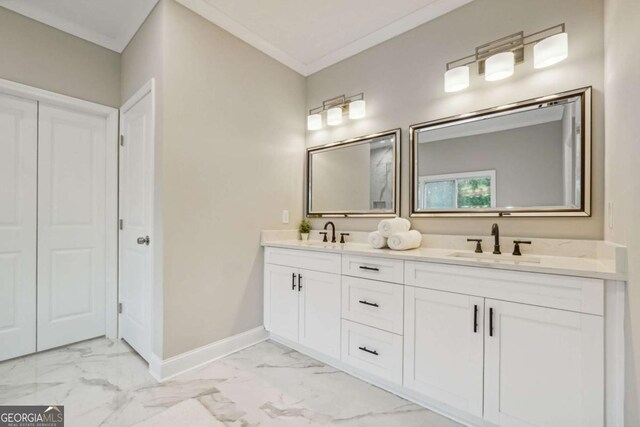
x=443 y=347
x=281 y=301
x=320 y=295
x=543 y=367
x=18 y=172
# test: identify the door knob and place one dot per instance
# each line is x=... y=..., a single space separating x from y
x=144 y=240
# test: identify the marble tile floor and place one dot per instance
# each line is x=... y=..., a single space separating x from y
x=104 y=383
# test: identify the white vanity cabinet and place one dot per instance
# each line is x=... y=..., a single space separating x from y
x=303 y=304
x=541 y=366
x=488 y=346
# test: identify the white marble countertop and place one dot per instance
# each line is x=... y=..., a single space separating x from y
x=607 y=268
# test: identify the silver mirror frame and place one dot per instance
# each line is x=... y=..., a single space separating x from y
x=583 y=211
x=356 y=214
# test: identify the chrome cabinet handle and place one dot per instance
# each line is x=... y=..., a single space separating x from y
x=143 y=240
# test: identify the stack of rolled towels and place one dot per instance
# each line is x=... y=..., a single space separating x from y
x=395 y=233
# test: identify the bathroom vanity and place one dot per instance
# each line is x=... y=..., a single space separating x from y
x=486 y=340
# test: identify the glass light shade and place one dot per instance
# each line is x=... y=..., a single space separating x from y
x=456 y=79
x=334 y=116
x=499 y=66
x=551 y=50
x=357 y=109
x=314 y=121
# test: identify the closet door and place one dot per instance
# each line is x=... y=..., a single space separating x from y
x=18 y=163
x=71 y=226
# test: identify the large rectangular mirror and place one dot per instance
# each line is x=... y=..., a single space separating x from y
x=530 y=158
x=358 y=177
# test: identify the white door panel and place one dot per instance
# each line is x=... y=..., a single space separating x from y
x=320 y=297
x=18 y=172
x=444 y=347
x=136 y=213
x=543 y=367
x=281 y=301
x=72 y=191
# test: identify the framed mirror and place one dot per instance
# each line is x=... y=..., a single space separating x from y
x=358 y=177
x=531 y=158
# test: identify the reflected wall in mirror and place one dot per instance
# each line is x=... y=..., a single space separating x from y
x=530 y=158
x=358 y=177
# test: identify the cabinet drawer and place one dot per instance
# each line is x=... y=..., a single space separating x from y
x=547 y=290
x=372 y=350
x=373 y=303
x=308 y=260
x=388 y=270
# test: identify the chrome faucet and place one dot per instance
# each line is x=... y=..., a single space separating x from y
x=495 y=231
x=333 y=231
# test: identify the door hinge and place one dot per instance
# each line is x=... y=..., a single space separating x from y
x=121 y=140
x=119 y=308
x=121 y=222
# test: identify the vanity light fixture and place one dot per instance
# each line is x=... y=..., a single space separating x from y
x=497 y=59
x=335 y=109
x=357 y=109
x=334 y=116
x=314 y=121
x=551 y=50
x=499 y=66
x=456 y=79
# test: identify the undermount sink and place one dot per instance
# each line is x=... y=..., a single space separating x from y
x=506 y=258
x=320 y=243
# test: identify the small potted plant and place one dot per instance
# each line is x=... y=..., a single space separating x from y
x=305 y=228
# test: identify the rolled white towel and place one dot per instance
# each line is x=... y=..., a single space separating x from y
x=387 y=227
x=406 y=240
x=376 y=240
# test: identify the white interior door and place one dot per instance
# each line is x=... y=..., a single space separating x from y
x=18 y=175
x=444 y=347
x=136 y=214
x=72 y=228
x=543 y=367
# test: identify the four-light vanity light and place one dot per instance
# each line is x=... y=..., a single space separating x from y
x=335 y=107
x=497 y=59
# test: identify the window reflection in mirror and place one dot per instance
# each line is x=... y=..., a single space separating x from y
x=528 y=158
x=354 y=177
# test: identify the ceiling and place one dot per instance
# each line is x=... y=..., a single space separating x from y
x=305 y=35
x=108 y=23
x=309 y=35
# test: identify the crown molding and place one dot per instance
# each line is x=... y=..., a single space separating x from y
x=402 y=25
x=117 y=44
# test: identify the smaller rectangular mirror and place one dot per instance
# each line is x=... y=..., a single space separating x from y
x=530 y=158
x=357 y=177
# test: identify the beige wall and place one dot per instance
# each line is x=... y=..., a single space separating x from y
x=233 y=160
x=403 y=84
x=41 y=56
x=622 y=85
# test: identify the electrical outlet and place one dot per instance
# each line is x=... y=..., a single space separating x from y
x=285 y=217
x=610 y=214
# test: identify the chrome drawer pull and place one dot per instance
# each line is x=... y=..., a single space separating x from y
x=372 y=304
x=375 y=353
x=364 y=267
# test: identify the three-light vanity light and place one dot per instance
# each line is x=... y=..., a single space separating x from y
x=335 y=108
x=497 y=59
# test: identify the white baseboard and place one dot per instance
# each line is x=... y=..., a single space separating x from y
x=162 y=370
